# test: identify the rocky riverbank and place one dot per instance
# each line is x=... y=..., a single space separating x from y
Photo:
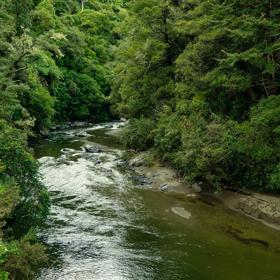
x=158 y=176
x=261 y=207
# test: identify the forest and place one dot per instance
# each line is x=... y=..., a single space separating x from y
x=198 y=81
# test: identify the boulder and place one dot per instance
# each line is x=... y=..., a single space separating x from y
x=197 y=187
x=182 y=212
x=67 y=150
x=141 y=180
x=164 y=187
x=93 y=149
x=137 y=161
x=54 y=127
x=108 y=126
x=44 y=133
x=82 y=134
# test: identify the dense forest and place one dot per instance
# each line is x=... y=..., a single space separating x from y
x=53 y=68
x=198 y=80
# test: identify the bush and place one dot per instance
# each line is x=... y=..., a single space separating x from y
x=168 y=135
x=18 y=165
x=259 y=146
x=22 y=259
x=139 y=134
x=4 y=275
x=204 y=153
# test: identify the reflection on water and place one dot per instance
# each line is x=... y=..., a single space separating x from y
x=101 y=227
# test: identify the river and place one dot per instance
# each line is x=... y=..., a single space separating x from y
x=103 y=227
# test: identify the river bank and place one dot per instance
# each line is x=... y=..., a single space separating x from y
x=264 y=208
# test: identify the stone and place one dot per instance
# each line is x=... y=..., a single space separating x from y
x=55 y=127
x=137 y=161
x=197 y=187
x=67 y=150
x=82 y=134
x=44 y=133
x=141 y=180
x=92 y=149
x=182 y=212
x=164 y=187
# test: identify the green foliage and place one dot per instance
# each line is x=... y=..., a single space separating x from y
x=22 y=169
x=258 y=143
x=82 y=91
x=144 y=68
x=206 y=73
x=53 y=67
x=4 y=275
x=9 y=200
x=22 y=259
x=139 y=134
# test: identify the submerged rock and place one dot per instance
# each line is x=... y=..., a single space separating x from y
x=164 y=187
x=137 y=161
x=44 y=133
x=93 y=149
x=182 y=212
x=54 y=127
x=141 y=180
x=108 y=126
x=245 y=237
x=197 y=187
x=67 y=150
x=82 y=134
x=79 y=124
x=260 y=209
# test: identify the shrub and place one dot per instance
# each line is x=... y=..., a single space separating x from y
x=168 y=135
x=18 y=165
x=22 y=259
x=139 y=134
x=259 y=146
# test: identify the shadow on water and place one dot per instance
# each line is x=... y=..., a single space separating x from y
x=102 y=227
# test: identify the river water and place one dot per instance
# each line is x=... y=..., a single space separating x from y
x=103 y=227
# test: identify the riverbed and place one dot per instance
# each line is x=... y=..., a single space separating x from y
x=104 y=226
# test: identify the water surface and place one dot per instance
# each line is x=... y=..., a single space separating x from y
x=103 y=227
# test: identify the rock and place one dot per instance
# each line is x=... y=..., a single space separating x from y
x=260 y=209
x=64 y=126
x=141 y=180
x=78 y=124
x=245 y=237
x=55 y=127
x=121 y=125
x=164 y=187
x=182 y=212
x=194 y=195
x=67 y=150
x=197 y=187
x=93 y=149
x=82 y=134
x=137 y=161
x=44 y=133
x=108 y=126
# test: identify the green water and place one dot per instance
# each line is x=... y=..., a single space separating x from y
x=102 y=227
